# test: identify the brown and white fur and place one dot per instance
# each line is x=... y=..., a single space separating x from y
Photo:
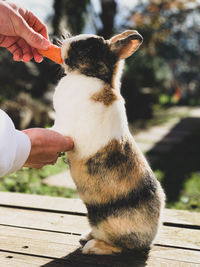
x=123 y=198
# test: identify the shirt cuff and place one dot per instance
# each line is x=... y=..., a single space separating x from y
x=23 y=148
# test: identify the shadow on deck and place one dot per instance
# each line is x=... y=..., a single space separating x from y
x=177 y=158
x=77 y=259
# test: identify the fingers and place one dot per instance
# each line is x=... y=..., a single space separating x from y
x=34 y=166
x=20 y=49
x=37 y=25
x=38 y=165
x=16 y=51
x=20 y=23
x=34 y=39
x=11 y=44
x=27 y=54
x=37 y=57
x=45 y=146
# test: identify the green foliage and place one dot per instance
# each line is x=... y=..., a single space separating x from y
x=169 y=57
x=32 y=78
x=189 y=198
x=167 y=60
x=164 y=99
x=159 y=175
x=30 y=181
x=190 y=195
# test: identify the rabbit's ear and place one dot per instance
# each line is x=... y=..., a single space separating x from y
x=126 y=43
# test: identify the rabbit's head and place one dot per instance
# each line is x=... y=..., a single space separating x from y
x=93 y=56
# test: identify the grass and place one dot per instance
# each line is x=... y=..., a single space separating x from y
x=189 y=197
x=30 y=181
x=178 y=172
x=160 y=117
x=190 y=194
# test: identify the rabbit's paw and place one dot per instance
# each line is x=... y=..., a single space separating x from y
x=86 y=237
x=98 y=247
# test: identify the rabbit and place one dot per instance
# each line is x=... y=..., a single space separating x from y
x=123 y=198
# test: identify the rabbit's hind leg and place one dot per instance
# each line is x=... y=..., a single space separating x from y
x=99 y=247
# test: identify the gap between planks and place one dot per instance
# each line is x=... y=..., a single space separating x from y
x=177 y=218
x=54 y=246
x=10 y=258
x=53 y=218
x=172 y=224
x=168 y=236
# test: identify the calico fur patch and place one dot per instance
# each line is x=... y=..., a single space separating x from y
x=106 y=96
x=135 y=198
x=116 y=156
x=92 y=57
x=110 y=173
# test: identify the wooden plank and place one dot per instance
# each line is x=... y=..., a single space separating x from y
x=182 y=217
x=44 y=220
x=180 y=237
x=34 y=246
x=170 y=253
x=18 y=260
x=57 y=245
x=65 y=223
x=76 y=206
x=42 y=202
x=169 y=263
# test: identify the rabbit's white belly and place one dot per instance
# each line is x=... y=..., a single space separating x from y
x=90 y=124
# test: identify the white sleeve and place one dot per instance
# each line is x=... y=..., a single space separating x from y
x=15 y=146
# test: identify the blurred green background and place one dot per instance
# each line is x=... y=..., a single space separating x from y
x=161 y=86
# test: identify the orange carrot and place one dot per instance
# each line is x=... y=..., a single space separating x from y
x=53 y=53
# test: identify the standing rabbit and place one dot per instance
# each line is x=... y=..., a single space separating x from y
x=123 y=198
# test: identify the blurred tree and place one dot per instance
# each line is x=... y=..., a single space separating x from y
x=14 y=77
x=108 y=13
x=167 y=62
x=169 y=58
x=58 y=4
x=71 y=13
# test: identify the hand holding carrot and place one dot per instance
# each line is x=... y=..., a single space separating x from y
x=21 y=32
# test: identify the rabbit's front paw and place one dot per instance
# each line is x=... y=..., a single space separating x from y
x=86 y=237
x=98 y=247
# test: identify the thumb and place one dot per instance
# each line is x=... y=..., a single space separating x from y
x=33 y=38
x=68 y=144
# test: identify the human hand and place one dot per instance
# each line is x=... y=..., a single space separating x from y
x=45 y=147
x=21 y=32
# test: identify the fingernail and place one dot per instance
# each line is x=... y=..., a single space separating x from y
x=45 y=43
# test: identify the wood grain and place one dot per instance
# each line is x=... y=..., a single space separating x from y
x=45 y=231
x=58 y=245
x=42 y=202
x=76 y=206
x=75 y=224
x=17 y=260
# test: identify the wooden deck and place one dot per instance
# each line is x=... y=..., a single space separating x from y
x=45 y=231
